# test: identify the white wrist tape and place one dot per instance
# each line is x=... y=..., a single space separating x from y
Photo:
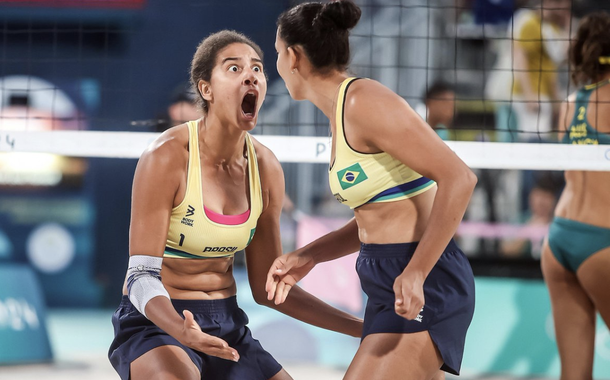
x=144 y=280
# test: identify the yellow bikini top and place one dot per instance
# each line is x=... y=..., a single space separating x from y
x=197 y=233
x=358 y=178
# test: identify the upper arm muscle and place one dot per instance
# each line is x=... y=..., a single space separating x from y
x=155 y=183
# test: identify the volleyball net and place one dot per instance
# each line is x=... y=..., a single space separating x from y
x=89 y=80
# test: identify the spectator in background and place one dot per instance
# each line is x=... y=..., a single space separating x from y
x=540 y=43
x=182 y=108
x=438 y=108
x=525 y=87
x=542 y=200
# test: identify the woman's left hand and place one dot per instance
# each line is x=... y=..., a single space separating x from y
x=409 y=292
x=284 y=273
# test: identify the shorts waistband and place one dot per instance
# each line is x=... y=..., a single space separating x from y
x=396 y=249
x=197 y=306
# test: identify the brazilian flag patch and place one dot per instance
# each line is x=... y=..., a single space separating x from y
x=252 y=231
x=351 y=176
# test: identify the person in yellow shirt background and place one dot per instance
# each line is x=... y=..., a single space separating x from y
x=540 y=39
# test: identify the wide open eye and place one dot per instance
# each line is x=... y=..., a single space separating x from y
x=234 y=68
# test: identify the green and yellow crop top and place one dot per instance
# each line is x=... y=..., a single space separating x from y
x=580 y=131
x=358 y=178
x=198 y=233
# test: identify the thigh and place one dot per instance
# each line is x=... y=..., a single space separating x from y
x=594 y=275
x=573 y=315
x=166 y=363
x=255 y=362
x=386 y=356
x=282 y=375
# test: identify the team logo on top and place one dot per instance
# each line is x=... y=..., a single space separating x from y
x=189 y=212
x=351 y=176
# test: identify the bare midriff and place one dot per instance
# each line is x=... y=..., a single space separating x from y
x=395 y=222
x=198 y=279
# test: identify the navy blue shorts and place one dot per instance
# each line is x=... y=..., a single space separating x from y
x=134 y=335
x=448 y=292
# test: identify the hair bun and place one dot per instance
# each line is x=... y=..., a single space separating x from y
x=342 y=14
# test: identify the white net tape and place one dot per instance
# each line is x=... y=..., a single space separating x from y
x=483 y=155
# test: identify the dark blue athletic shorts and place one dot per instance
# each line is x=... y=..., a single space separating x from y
x=448 y=292
x=134 y=335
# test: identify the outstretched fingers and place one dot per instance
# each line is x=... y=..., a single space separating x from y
x=220 y=348
x=206 y=343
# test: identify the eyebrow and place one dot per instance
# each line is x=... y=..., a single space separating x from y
x=239 y=59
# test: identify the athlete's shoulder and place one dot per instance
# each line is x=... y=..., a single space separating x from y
x=264 y=156
x=175 y=138
x=169 y=149
x=367 y=90
x=367 y=98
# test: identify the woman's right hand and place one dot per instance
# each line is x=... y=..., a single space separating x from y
x=284 y=273
x=193 y=337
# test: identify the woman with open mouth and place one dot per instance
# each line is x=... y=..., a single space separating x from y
x=201 y=192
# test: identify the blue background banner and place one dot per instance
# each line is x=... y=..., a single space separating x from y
x=23 y=333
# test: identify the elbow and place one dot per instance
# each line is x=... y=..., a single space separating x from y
x=462 y=182
x=261 y=298
x=470 y=179
x=469 y=182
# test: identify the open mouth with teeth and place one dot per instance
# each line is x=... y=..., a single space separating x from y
x=248 y=105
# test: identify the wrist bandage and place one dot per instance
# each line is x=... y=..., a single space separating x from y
x=144 y=280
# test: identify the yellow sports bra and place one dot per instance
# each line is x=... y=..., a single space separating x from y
x=357 y=178
x=197 y=233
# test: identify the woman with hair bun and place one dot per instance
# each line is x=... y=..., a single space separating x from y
x=409 y=192
x=576 y=255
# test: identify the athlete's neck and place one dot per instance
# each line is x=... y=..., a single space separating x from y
x=323 y=91
x=220 y=146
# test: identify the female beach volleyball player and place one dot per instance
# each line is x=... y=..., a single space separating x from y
x=576 y=256
x=202 y=191
x=409 y=192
